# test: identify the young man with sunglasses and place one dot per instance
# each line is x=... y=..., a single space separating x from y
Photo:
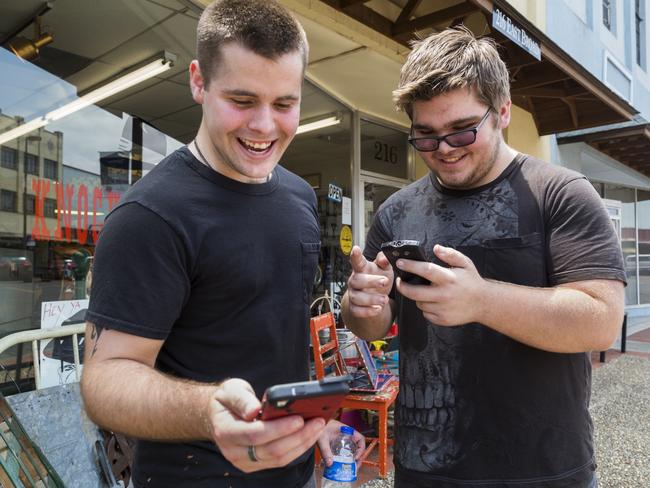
x=526 y=277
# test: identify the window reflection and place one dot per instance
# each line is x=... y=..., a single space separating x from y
x=57 y=184
x=60 y=176
x=643 y=210
x=628 y=236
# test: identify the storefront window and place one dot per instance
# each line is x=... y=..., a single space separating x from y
x=321 y=154
x=628 y=236
x=643 y=211
x=69 y=148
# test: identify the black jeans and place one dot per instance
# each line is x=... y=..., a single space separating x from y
x=310 y=484
x=408 y=482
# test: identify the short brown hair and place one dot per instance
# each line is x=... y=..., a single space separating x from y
x=263 y=26
x=451 y=59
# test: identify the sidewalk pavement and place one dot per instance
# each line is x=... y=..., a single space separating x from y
x=620 y=408
x=638 y=335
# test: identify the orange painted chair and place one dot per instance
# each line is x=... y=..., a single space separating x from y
x=323 y=360
x=379 y=402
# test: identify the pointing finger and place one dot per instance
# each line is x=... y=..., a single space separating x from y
x=357 y=260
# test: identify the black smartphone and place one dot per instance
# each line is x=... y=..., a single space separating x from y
x=405 y=249
x=309 y=399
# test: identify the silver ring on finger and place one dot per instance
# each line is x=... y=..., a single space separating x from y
x=251 y=454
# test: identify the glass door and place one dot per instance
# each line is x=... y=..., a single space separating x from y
x=375 y=191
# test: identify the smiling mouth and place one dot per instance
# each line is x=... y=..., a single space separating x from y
x=258 y=147
x=451 y=160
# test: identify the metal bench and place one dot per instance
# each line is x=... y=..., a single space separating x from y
x=37 y=335
x=50 y=441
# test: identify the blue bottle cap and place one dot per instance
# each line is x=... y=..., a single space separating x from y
x=346 y=429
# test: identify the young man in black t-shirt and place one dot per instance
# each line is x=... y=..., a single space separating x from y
x=203 y=275
x=526 y=277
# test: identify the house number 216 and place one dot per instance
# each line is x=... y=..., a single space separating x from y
x=384 y=152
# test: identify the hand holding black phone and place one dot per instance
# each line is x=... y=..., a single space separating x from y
x=405 y=249
x=309 y=399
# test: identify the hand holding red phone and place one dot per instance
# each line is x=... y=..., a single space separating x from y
x=309 y=399
x=253 y=445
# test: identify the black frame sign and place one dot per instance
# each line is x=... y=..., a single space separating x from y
x=516 y=34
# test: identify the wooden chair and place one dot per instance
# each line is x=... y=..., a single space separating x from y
x=379 y=402
x=323 y=360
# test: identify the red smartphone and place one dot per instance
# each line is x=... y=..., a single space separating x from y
x=309 y=399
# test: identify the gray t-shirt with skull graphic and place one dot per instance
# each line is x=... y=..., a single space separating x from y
x=475 y=407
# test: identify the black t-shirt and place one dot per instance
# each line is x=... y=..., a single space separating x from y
x=475 y=407
x=222 y=271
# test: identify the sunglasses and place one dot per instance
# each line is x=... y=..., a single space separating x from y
x=461 y=138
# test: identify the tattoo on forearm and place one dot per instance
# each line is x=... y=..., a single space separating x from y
x=95 y=333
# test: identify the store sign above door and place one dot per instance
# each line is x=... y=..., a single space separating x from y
x=516 y=34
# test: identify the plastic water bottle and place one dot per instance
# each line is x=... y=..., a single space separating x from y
x=343 y=471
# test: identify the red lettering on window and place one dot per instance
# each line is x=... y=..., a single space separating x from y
x=64 y=204
x=97 y=202
x=112 y=197
x=82 y=214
